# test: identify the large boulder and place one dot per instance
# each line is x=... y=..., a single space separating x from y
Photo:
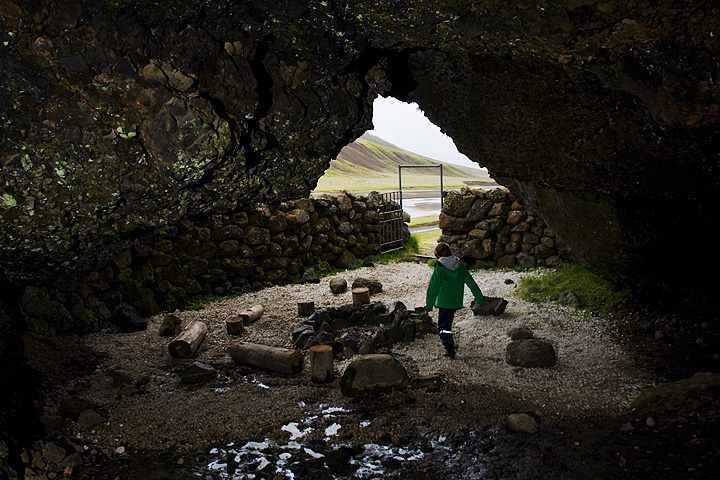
x=372 y=374
x=531 y=353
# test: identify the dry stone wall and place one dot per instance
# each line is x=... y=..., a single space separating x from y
x=213 y=255
x=494 y=229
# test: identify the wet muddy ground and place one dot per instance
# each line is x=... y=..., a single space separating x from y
x=313 y=433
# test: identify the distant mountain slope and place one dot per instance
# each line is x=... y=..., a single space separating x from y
x=372 y=155
x=371 y=163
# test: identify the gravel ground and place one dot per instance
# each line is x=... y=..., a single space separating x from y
x=594 y=377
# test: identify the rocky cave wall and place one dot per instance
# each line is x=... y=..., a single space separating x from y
x=119 y=117
x=209 y=256
x=493 y=229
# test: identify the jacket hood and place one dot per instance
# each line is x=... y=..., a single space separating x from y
x=452 y=263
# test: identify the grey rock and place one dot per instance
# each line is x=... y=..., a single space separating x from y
x=396 y=306
x=170 y=326
x=373 y=285
x=372 y=374
x=491 y=306
x=89 y=419
x=531 y=353
x=367 y=346
x=53 y=453
x=521 y=423
x=72 y=461
x=72 y=407
x=196 y=373
x=301 y=334
x=338 y=285
x=120 y=377
x=129 y=321
x=309 y=277
x=51 y=423
x=38 y=461
x=666 y=396
x=427 y=382
x=126 y=391
x=570 y=299
x=519 y=332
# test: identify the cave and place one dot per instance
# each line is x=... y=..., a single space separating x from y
x=126 y=117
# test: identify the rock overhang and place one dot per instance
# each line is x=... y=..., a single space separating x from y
x=124 y=117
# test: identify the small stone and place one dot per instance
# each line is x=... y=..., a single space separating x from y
x=170 y=326
x=569 y=298
x=72 y=461
x=120 y=377
x=309 y=277
x=180 y=461
x=650 y=422
x=627 y=427
x=89 y=419
x=374 y=286
x=53 y=453
x=129 y=321
x=338 y=285
x=521 y=423
x=519 y=332
x=37 y=461
x=509 y=281
x=490 y=306
x=428 y=382
x=120 y=450
x=52 y=423
x=126 y=391
x=196 y=373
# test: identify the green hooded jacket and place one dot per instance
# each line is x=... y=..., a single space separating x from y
x=447 y=285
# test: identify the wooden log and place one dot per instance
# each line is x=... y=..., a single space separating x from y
x=235 y=325
x=321 y=364
x=280 y=360
x=305 y=309
x=188 y=341
x=249 y=316
x=361 y=295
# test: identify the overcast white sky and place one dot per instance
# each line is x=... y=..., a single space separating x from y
x=406 y=126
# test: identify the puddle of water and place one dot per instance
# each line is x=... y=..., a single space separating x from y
x=277 y=460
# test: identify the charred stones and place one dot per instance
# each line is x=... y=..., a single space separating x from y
x=361 y=329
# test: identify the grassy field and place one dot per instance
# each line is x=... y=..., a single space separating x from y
x=371 y=164
x=331 y=182
x=425 y=220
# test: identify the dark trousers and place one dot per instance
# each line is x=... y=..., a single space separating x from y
x=445 y=321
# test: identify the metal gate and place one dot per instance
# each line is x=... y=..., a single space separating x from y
x=390 y=216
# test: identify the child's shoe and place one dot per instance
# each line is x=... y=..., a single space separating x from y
x=449 y=353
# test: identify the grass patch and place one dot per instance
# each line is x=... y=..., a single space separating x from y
x=594 y=292
x=424 y=220
x=379 y=182
x=426 y=241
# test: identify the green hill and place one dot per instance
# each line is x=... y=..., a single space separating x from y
x=371 y=163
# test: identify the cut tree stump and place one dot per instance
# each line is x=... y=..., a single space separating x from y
x=235 y=325
x=188 y=341
x=280 y=360
x=305 y=309
x=321 y=364
x=361 y=295
x=252 y=314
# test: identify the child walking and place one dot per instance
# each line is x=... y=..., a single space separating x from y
x=446 y=291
